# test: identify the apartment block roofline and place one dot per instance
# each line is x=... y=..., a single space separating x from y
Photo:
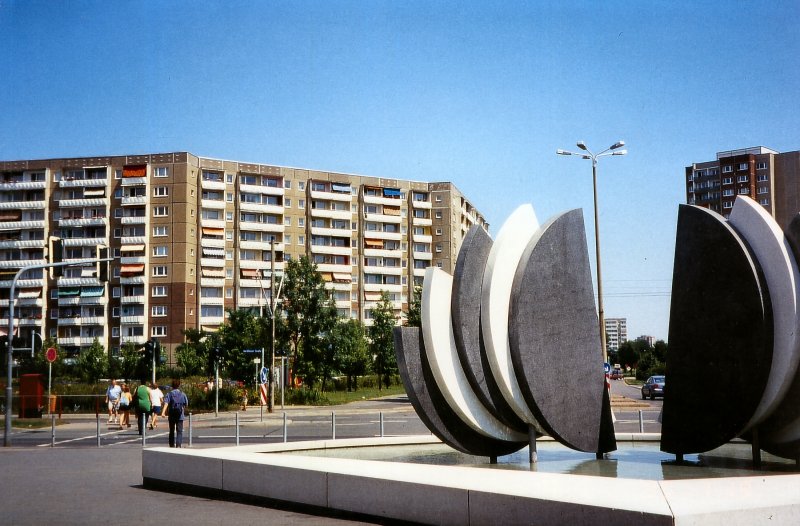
x=755 y=150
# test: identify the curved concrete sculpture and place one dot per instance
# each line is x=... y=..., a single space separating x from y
x=498 y=280
x=769 y=246
x=431 y=406
x=440 y=350
x=779 y=434
x=466 y=307
x=553 y=327
x=720 y=331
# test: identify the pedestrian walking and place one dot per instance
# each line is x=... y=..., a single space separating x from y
x=156 y=399
x=142 y=396
x=112 y=400
x=174 y=404
x=125 y=406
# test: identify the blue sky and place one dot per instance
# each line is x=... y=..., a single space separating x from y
x=470 y=92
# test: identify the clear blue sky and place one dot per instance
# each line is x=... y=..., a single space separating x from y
x=470 y=92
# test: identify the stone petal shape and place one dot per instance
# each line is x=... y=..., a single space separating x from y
x=769 y=246
x=466 y=308
x=554 y=334
x=720 y=336
x=443 y=358
x=430 y=405
x=780 y=433
x=498 y=280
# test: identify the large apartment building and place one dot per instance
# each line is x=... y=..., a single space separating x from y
x=770 y=177
x=616 y=333
x=194 y=236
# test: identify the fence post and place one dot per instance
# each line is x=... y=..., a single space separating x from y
x=237 y=428
x=641 y=421
x=97 y=420
x=190 y=429
x=144 y=429
x=285 y=430
x=381 y=424
x=333 y=425
x=52 y=430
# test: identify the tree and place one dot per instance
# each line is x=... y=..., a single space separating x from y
x=308 y=315
x=660 y=351
x=628 y=354
x=192 y=354
x=242 y=331
x=133 y=364
x=352 y=356
x=414 y=314
x=381 y=334
x=92 y=363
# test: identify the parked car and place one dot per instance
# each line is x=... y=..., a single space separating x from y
x=616 y=374
x=653 y=387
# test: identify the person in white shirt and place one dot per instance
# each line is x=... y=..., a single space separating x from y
x=156 y=399
x=112 y=400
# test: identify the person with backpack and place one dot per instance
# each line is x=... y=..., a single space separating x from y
x=173 y=406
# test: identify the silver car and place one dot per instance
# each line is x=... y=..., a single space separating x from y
x=653 y=387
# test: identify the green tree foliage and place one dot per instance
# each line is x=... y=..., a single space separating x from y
x=381 y=335
x=132 y=363
x=352 y=356
x=414 y=314
x=192 y=354
x=309 y=317
x=92 y=363
x=628 y=354
x=660 y=351
x=243 y=331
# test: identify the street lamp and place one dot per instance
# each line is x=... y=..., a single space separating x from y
x=587 y=154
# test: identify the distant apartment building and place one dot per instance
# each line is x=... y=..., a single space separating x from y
x=616 y=333
x=769 y=177
x=194 y=236
x=649 y=340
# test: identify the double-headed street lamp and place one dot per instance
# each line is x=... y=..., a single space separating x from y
x=586 y=154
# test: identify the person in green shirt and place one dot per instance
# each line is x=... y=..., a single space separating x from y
x=142 y=401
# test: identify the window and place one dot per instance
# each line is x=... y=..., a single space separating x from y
x=158 y=330
x=159 y=291
x=229 y=197
x=699 y=173
x=160 y=231
x=762 y=177
x=115 y=332
x=301 y=185
x=727 y=204
x=727 y=169
x=728 y=192
x=726 y=180
x=301 y=204
x=438 y=214
x=160 y=211
x=761 y=166
x=301 y=240
x=763 y=190
x=287 y=239
x=743 y=166
x=229 y=217
x=115 y=292
x=287 y=202
x=229 y=178
x=160 y=251
x=438 y=231
x=744 y=191
x=301 y=221
x=159 y=311
x=287 y=184
x=438 y=198
x=160 y=191
x=742 y=179
x=764 y=201
x=117 y=174
x=438 y=247
x=161 y=171
x=159 y=270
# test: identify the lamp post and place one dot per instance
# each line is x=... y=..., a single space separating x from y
x=587 y=154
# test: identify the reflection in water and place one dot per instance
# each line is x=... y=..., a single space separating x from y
x=634 y=460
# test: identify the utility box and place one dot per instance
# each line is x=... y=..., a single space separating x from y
x=31 y=396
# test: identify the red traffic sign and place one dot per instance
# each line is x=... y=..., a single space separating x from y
x=51 y=354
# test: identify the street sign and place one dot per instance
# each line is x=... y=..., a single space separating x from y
x=51 y=355
x=607 y=367
x=251 y=351
x=263 y=375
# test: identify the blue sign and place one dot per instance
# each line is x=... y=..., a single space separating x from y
x=607 y=367
x=263 y=375
x=251 y=351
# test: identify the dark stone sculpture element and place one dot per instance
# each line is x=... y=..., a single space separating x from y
x=720 y=334
x=430 y=404
x=554 y=337
x=466 y=308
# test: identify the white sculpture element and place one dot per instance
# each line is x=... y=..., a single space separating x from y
x=498 y=280
x=440 y=349
x=767 y=241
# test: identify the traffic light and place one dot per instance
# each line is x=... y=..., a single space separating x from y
x=148 y=349
x=157 y=350
x=56 y=254
x=102 y=265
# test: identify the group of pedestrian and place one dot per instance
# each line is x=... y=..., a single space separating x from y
x=148 y=403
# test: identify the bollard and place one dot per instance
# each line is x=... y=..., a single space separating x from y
x=144 y=429
x=333 y=425
x=641 y=421
x=52 y=430
x=237 y=428
x=381 y=419
x=98 y=429
x=285 y=430
x=190 y=429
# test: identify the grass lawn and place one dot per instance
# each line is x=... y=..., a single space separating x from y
x=366 y=393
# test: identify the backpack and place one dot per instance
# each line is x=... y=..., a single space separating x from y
x=177 y=401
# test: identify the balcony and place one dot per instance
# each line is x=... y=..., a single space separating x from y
x=336 y=232
x=419 y=272
x=375 y=234
x=215 y=204
x=212 y=223
x=346 y=215
x=126 y=300
x=23 y=284
x=89 y=221
x=261 y=189
x=423 y=256
x=251 y=302
x=421 y=221
x=27 y=243
x=260 y=245
x=376 y=200
x=332 y=196
x=133 y=280
x=212 y=262
x=382 y=253
x=377 y=287
x=421 y=238
x=85 y=202
x=23 y=205
x=261 y=208
x=212 y=282
x=422 y=204
x=330 y=267
x=134 y=181
x=134 y=220
x=383 y=218
x=20 y=263
x=84 y=241
x=210 y=184
x=22 y=225
x=343 y=304
x=326 y=249
x=331 y=285
x=133 y=240
x=134 y=201
x=23 y=185
x=132 y=320
x=389 y=271
x=213 y=243
x=255 y=283
x=82 y=183
x=262 y=227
